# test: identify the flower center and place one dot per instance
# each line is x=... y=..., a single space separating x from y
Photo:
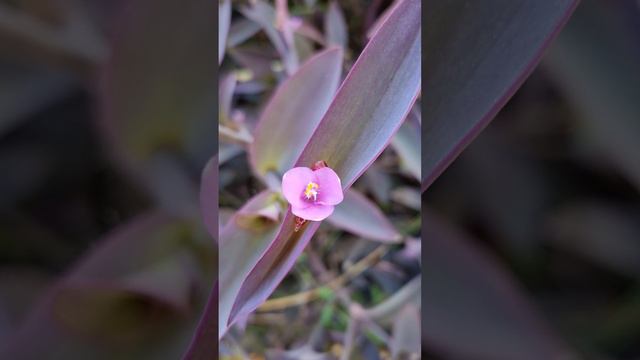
x=311 y=191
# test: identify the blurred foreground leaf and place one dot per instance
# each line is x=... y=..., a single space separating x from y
x=158 y=87
x=135 y=296
x=478 y=55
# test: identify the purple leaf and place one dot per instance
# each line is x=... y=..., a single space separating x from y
x=224 y=21
x=381 y=19
x=360 y=216
x=149 y=261
x=241 y=30
x=265 y=15
x=310 y=32
x=386 y=311
x=225 y=97
x=294 y=111
x=204 y=345
x=209 y=197
x=273 y=266
x=373 y=101
x=243 y=240
x=335 y=28
x=378 y=182
x=478 y=55
x=475 y=309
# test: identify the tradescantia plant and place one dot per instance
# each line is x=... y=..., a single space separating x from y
x=308 y=121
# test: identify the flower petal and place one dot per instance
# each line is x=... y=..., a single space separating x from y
x=314 y=212
x=330 y=192
x=294 y=182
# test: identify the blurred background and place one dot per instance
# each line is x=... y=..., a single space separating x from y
x=106 y=122
x=532 y=236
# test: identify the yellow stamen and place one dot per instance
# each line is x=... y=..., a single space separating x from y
x=311 y=190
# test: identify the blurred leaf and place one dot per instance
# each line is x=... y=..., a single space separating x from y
x=224 y=21
x=475 y=309
x=258 y=58
x=228 y=152
x=595 y=63
x=25 y=91
x=360 y=216
x=406 y=333
x=479 y=53
x=408 y=197
x=310 y=32
x=500 y=171
x=175 y=191
x=145 y=245
x=604 y=233
x=241 y=30
x=137 y=288
x=387 y=310
x=158 y=87
x=19 y=289
x=204 y=345
x=335 y=27
x=294 y=111
x=304 y=47
x=378 y=183
x=374 y=99
x=74 y=42
x=407 y=143
x=225 y=97
x=265 y=15
x=381 y=19
x=209 y=197
x=412 y=251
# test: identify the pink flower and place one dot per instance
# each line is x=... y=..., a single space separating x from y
x=312 y=193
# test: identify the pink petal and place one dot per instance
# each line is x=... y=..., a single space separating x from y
x=314 y=213
x=294 y=182
x=330 y=188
